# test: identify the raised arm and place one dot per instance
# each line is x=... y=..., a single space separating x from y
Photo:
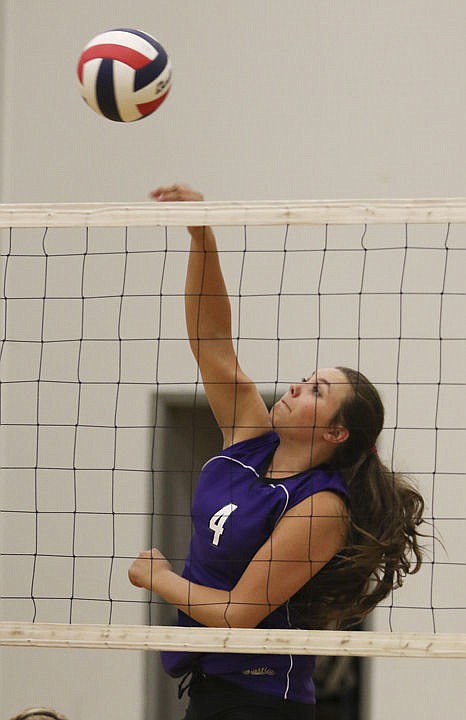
x=238 y=408
x=304 y=540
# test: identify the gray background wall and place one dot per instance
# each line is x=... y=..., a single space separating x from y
x=303 y=100
x=270 y=100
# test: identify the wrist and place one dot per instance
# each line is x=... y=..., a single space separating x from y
x=162 y=581
x=198 y=232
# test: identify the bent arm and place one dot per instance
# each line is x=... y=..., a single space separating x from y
x=304 y=540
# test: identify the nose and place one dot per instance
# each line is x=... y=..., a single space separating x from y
x=294 y=389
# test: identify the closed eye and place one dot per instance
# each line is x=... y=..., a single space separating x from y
x=314 y=388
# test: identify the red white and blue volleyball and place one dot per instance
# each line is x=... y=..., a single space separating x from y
x=124 y=74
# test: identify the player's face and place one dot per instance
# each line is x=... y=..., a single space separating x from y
x=312 y=403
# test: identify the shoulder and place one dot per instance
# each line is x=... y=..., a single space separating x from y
x=267 y=440
x=252 y=454
x=324 y=478
x=325 y=503
x=316 y=481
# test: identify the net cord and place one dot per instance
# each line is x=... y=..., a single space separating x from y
x=343 y=212
x=237 y=640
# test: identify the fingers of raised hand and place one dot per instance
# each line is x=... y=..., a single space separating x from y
x=177 y=192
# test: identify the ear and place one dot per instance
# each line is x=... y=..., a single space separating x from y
x=336 y=434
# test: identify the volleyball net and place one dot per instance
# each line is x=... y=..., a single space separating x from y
x=104 y=424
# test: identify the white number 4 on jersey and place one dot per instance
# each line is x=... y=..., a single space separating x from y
x=218 y=520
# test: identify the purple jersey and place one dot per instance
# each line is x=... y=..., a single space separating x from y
x=235 y=510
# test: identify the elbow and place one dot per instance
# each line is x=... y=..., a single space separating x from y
x=245 y=616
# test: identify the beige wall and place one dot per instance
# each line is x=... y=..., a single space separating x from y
x=270 y=100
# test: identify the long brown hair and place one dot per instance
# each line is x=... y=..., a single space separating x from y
x=385 y=512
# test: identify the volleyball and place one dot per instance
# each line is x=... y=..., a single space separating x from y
x=124 y=74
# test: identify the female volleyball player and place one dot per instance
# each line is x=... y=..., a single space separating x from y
x=297 y=523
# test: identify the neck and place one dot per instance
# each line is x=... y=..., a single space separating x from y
x=292 y=458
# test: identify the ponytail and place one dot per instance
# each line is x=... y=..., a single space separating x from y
x=385 y=512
